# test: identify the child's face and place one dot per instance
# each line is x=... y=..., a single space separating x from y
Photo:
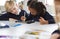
x=55 y=36
x=33 y=11
x=14 y=10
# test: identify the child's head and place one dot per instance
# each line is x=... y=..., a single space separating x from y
x=37 y=8
x=29 y=1
x=21 y=5
x=11 y=6
x=56 y=34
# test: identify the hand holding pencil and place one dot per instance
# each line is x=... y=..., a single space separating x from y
x=23 y=18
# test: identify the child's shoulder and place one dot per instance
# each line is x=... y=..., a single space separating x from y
x=47 y=14
x=23 y=11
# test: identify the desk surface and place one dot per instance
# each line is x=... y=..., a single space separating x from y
x=20 y=30
x=5 y=22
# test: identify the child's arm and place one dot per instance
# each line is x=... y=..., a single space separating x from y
x=43 y=21
x=49 y=18
x=4 y=17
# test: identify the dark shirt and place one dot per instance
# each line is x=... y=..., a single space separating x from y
x=46 y=16
x=56 y=31
x=10 y=15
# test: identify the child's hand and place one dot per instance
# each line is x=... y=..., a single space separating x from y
x=43 y=21
x=54 y=36
x=23 y=18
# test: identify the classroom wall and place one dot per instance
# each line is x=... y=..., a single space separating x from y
x=25 y=6
x=2 y=9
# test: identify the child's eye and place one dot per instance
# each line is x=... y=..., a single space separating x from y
x=14 y=9
x=11 y=11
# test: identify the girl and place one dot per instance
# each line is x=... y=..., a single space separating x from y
x=38 y=13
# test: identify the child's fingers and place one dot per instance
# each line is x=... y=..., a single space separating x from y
x=23 y=18
x=43 y=21
x=41 y=18
x=40 y=21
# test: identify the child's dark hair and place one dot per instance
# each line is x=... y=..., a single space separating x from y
x=58 y=37
x=56 y=31
x=39 y=7
x=28 y=3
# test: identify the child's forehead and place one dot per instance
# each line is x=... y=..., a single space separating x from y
x=14 y=6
